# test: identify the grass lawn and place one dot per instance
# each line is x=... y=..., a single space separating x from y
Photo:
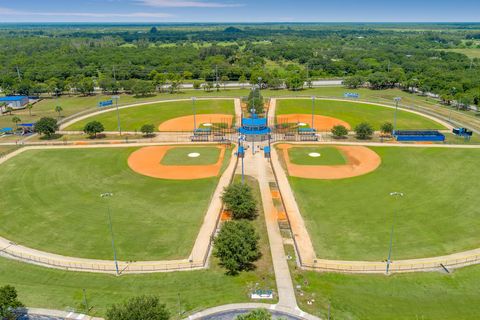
x=328 y=156
x=355 y=113
x=186 y=290
x=402 y=296
x=53 y=203
x=469 y=52
x=7 y=149
x=351 y=218
x=179 y=156
x=132 y=119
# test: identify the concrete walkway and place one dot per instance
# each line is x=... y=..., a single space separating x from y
x=55 y=314
x=258 y=167
x=198 y=258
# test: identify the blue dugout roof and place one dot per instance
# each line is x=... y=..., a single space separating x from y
x=251 y=132
x=6 y=129
x=258 y=122
x=13 y=98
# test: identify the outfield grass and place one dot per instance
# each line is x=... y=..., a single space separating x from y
x=351 y=218
x=401 y=296
x=132 y=119
x=179 y=156
x=328 y=156
x=53 y=203
x=355 y=113
x=195 y=290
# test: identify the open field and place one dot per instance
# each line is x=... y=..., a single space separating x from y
x=401 y=296
x=328 y=156
x=193 y=290
x=53 y=203
x=355 y=113
x=469 y=52
x=350 y=219
x=132 y=119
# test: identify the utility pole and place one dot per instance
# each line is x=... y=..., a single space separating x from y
x=313 y=112
x=114 y=73
x=216 y=75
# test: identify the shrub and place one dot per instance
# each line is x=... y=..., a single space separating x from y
x=339 y=131
x=237 y=246
x=387 y=128
x=257 y=314
x=364 y=131
x=139 y=308
x=147 y=129
x=239 y=199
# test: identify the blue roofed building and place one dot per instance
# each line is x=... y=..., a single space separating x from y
x=16 y=102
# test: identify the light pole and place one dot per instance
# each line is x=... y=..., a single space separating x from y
x=397 y=100
x=108 y=195
x=313 y=111
x=194 y=114
x=118 y=114
x=392 y=194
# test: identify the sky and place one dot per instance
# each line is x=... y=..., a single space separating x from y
x=239 y=11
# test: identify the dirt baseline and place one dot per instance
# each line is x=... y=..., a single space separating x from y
x=321 y=123
x=186 y=123
x=146 y=161
x=360 y=161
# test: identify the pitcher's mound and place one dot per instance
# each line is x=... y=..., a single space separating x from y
x=147 y=161
x=321 y=123
x=186 y=123
x=360 y=161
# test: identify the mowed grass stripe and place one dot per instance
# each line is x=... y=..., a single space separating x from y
x=351 y=219
x=179 y=156
x=355 y=113
x=132 y=119
x=53 y=203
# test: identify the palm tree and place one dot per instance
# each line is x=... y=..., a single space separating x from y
x=9 y=110
x=16 y=120
x=59 y=110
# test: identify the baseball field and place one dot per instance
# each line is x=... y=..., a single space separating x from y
x=351 y=218
x=132 y=119
x=354 y=113
x=52 y=202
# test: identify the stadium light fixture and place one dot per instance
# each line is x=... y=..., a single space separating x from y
x=392 y=194
x=108 y=195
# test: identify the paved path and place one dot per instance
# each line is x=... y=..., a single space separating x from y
x=54 y=314
x=297 y=313
x=238 y=112
x=198 y=258
x=258 y=167
x=306 y=252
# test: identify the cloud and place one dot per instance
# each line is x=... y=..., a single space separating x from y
x=18 y=13
x=188 y=4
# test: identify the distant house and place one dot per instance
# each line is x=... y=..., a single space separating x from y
x=16 y=102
